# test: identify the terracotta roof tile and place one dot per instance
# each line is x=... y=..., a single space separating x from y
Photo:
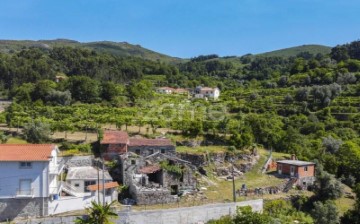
x=150 y=169
x=115 y=137
x=181 y=90
x=26 y=152
x=106 y=186
x=149 y=142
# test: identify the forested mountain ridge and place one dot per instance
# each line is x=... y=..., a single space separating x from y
x=293 y=51
x=115 y=48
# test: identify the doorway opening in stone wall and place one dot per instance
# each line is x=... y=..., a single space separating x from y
x=155 y=177
x=174 y=189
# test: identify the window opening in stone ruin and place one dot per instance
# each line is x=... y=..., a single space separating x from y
x=155 y=177
x=174 y=189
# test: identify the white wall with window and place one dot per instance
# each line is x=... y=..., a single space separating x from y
x=23 y=178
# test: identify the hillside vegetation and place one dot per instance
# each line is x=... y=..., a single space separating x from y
x=294 y=51
x=116 y=48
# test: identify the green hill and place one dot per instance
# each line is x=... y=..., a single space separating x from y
x=115 y=48
x=293 y=51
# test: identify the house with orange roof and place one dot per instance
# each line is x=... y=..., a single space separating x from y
x=30 y=177
x=114 y=143
x=33 y=183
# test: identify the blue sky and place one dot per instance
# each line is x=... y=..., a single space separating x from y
x=186 y=28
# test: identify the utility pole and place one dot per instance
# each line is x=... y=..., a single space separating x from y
x=98 y=180
x=103 y=180
x=233 y=180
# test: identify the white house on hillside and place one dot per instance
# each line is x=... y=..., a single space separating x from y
x=83 y=185
x=206 y=93
x=29 y=179
x=165 y=90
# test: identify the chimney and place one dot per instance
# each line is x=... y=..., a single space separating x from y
x=293 y=157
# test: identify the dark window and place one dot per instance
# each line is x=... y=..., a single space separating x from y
x=77 y=185
x=163 y=151
x=88 y=183
x=174 y=189
x=25 y=165
x=305 y=168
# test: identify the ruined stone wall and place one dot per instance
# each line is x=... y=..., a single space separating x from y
x=148 y=150
x=77 y=161
x=147 y=196
x=195 y=159
x=22 y=207
x=187 y=180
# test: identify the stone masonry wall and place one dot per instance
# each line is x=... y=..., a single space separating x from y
x=21 y=207
x=148 y=150
x=154 y=196
x=77 y=161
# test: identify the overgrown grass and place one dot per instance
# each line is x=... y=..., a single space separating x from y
x=201 y=149
x=15 y=140
x=223 y=190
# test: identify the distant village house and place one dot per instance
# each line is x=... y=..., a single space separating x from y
x=302 y=172
x=207 y=93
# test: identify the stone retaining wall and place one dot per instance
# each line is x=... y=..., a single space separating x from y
x=21 y=207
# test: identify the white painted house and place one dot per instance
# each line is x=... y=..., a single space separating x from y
x=31 y=186
x=206 y=93
x=29 y=179
x=165 y=90
x=82 y=186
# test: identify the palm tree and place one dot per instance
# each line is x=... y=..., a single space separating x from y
x=99 y=214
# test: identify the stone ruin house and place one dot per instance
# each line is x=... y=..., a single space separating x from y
x=149 y=167
x=157 y=178
x=116 y=143
x=146 y=147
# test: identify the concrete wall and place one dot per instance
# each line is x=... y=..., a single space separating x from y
x=190 y=215
x=66 y=204
x=11 y=173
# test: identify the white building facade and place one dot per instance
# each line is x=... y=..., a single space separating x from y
x=29 y=179
x=207 y=93
x=82 y=186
